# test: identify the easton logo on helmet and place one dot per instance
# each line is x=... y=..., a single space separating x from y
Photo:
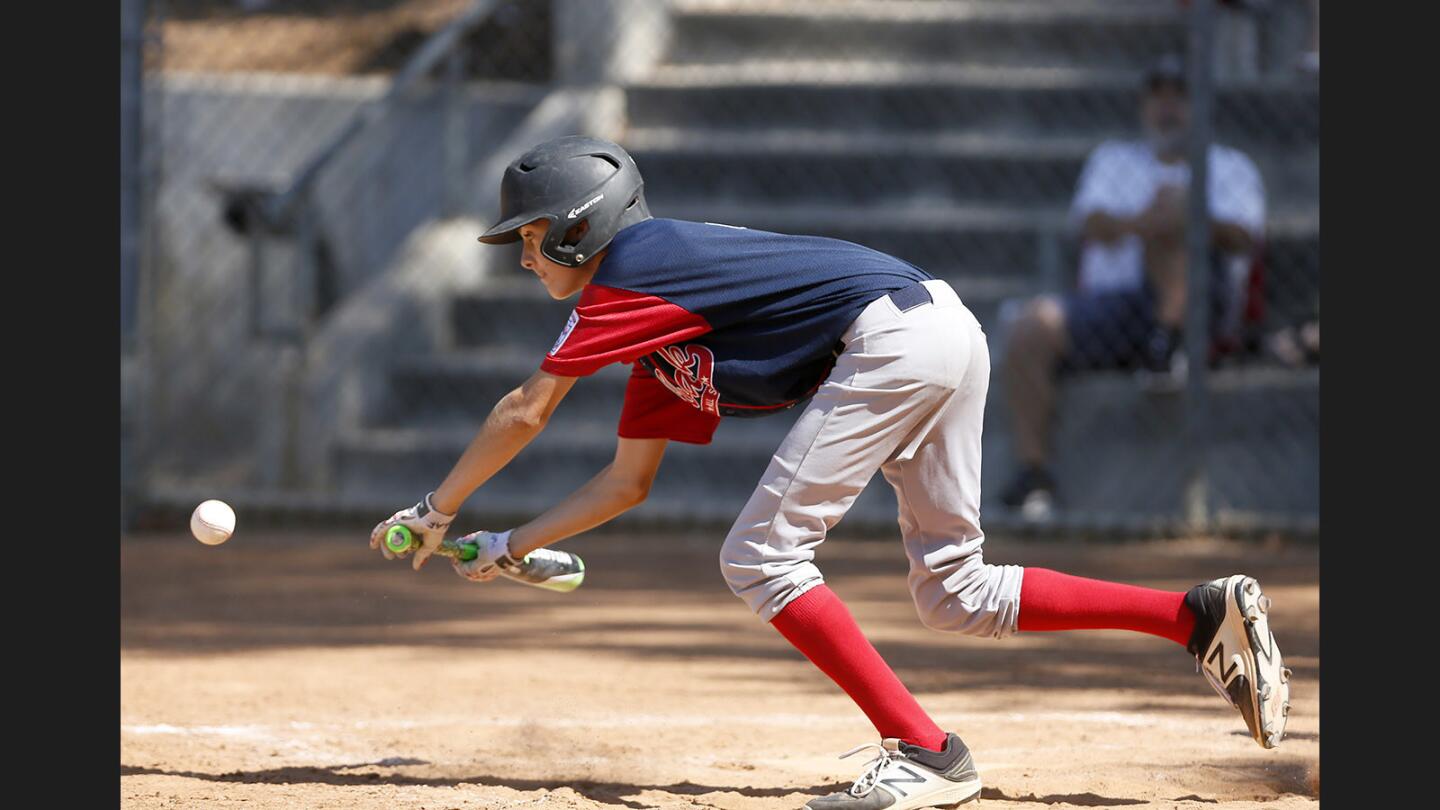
x=575 y=212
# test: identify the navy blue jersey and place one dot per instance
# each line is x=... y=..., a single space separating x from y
x=730 y=321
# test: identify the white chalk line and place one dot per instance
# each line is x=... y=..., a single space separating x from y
x=288 y=731
x=282 y=737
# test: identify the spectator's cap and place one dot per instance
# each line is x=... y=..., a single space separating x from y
x=1168 y=69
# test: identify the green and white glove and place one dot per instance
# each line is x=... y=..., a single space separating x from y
x=543 y=568
x=423 y=521
x=491 y=548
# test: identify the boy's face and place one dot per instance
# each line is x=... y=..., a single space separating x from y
x=560 y=281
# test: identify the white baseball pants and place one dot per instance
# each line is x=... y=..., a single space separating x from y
x=907 y=397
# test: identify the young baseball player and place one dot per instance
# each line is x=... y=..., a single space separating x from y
x=889 y=371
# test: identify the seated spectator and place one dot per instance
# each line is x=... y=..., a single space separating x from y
x=1129 y=305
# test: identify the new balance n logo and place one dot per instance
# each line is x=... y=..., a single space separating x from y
x=1220 y=653
x=915 y=779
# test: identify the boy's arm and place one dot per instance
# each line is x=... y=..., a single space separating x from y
x=517 y=418
x=622 y=485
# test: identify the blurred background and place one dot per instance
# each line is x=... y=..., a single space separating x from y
x=311 y=332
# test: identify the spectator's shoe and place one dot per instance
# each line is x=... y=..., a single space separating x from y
x=1163 y=348
x=1234 y=648
x=1032 y=493
x=1164 y=364
x=904 y=776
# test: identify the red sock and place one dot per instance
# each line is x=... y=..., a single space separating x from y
x=1050 y=600
x=821 y=627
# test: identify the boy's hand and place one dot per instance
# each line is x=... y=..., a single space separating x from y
x=491 y=547
x=427 y=524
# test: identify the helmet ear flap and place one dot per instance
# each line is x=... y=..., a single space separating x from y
x=575 y=233
x=567 y=247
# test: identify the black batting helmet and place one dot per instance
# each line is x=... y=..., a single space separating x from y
x=567 y=181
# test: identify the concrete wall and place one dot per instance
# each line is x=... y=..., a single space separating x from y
x=208 y=382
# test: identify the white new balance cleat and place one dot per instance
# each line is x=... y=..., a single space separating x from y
x=1234 y=648
x=904 y=776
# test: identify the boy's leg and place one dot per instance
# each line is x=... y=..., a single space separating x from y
x=937 y=484
x=1223 y=622
x=1050 y=600
x=936 y=477
x=871 y=403
x=820 y=626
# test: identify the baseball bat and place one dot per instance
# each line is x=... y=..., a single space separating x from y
x=399 y=539
x=551 y=570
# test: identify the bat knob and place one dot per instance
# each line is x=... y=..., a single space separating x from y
x=399 y=539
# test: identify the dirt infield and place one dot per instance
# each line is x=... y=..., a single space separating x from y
x=300 y=670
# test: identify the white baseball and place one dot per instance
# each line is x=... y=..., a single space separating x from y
x=212 y=522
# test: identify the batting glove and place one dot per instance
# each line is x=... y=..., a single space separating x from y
x=493 y=550
x=421 y=519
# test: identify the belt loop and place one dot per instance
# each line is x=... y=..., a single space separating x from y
x=915 y=295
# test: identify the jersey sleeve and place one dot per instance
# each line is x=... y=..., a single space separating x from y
x=611 y=325
x=651 y=411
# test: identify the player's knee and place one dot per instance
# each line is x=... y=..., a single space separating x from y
x=950 y=614
x=727 y=569
x=975 y=600
x=765 y=578
x=739 y=564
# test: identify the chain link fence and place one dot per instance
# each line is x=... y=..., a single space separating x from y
x=311 y=329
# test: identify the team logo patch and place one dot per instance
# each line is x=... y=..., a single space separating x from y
x=565 y=333
x=691 y=375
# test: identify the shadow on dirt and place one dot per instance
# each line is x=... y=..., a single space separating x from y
x=662 y=599
x=1077 y=799
x=612 y=793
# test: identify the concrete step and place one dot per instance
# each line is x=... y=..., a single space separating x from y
x=1261 y=447
x=517 y=313
x=931 y=9
x=949 y=240
x=1262 y=453
x=813 y=166
x=716 y=479
x=458 y=389
x=504 y=336
x=987 y=252
x=521 y=317
x=1048 y=34
x=844 y=96
x=975 y=240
